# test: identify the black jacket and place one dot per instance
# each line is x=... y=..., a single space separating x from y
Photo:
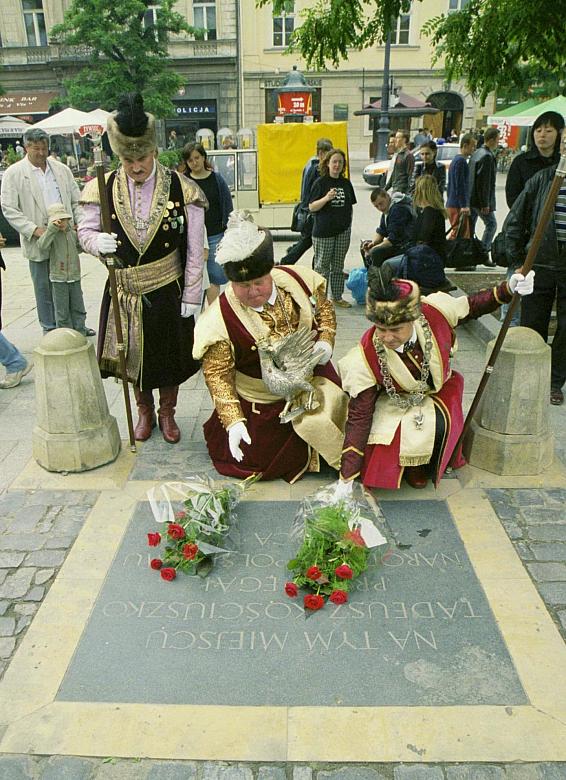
x=398 y=225
x=521 y=222
x=483 y=170
x=437 y=170
x=522 y=168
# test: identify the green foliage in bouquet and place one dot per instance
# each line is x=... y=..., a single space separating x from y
x=331 y=556
x=199 y=529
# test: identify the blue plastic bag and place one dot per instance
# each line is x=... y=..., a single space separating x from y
x=357 y=283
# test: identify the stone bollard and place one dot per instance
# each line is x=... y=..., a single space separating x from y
x=74 y=430
x=510 y=434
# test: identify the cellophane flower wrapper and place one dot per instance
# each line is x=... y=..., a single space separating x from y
x=197 y=521
x=331 y=548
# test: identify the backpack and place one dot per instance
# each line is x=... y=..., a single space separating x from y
x=421 y=264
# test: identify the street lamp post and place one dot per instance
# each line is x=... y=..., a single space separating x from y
x=383 y=130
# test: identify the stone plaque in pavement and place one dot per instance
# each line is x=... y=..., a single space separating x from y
x=417 y=629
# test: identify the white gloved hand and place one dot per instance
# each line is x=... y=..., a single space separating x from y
x=106 y=243
x=190 y=310
x=523 y=285
x=343 y=490
x=236 y=434
x=323 y=349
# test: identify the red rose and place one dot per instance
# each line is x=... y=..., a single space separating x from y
x=156 y=563
x=344 y=572
x=176 y=531
x=338 y=597
x=168 y=573
x=313 y=601
x=180 y=515
x=313 y=573
x=291 y=590
x=355 y=537
x=189 y=551
x=153 y=539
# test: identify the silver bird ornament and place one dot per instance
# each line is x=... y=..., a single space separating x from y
x=286 y=367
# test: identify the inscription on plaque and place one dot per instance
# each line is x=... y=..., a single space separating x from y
x=417 y=628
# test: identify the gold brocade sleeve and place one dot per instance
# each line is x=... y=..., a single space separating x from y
x=325 y=315
x=219 y=374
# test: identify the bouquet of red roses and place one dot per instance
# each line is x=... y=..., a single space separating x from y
x=197 y=532
x=336 y=540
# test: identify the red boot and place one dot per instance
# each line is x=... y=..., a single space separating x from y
x=417 y=476
x=166 y=414
x=146 y=414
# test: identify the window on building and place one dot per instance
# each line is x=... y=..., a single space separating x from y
x=205 y=19
x=284 y=26
x=457 y=5
x=150 y=18
x=400 y=32
x=34 y=21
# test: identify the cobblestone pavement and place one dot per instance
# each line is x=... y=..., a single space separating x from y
x=63 y=768
x=37 y=528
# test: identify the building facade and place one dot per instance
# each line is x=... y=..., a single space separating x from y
x=232 y=71
x=33 y=69
x=358 y=81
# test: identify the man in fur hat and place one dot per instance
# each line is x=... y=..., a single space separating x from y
x=263 y=304
x=158 y=237
x=405 y=411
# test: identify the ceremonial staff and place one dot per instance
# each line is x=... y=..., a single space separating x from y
x=526 y=267
x=110 y=263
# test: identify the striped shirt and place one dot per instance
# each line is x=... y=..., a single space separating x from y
x=560 y=215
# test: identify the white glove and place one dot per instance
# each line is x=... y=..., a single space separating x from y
x=524 y=285
x=190 y=310
x=236 y=434
x=343 y=490
x=106 y=243
x=323 y=349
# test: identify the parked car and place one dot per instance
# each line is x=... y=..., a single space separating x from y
x=375 y=173
x=12 y=236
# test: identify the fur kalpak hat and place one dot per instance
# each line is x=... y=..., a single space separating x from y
x=246 y=251
x=390 y=301
x=131 y=131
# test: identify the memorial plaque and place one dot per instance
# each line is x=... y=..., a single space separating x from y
x=417 y=629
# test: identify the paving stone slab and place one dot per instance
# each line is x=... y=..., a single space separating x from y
x=120 y=770
x=67 y=768
x=226 y=772
x=350 y=773
x=17 y=584
x=555 y=771
x=553 y=592
x=302 y=773
x=7 y=626
x=25 y=542
x=425 y=620
x=547 y=533
x=46 y=558
x=35 y=594
x=419 y=772
x=11 y=560
x=548 y=572
x=172 y=770
x=271 y=773
x=7 y=645
x=471 y=772
x=525 y=772
x=43 y=575
x=16 y=768
x=539 y=516
x=549 y=552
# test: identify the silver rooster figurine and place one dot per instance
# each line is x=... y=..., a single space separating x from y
x=286 y=367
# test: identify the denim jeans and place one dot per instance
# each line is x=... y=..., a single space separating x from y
x=490 y=229
x=216 y=273
x=43 y=294
x=11 y=357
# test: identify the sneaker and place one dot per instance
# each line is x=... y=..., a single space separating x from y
x=342 y=304
x=14 y=379
x=556 y=396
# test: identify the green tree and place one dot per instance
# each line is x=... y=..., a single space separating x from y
x=126 y=45
x=487 y=44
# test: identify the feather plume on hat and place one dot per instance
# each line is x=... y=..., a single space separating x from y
x=246 y=250
x=391 y=301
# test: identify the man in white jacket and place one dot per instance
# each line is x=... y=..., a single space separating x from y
x=29 y=187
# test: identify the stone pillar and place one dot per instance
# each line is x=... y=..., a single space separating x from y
x=510 y=434
x=74 y=430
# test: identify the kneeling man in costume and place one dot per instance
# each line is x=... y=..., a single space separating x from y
x=265 y=346
x=157 y=236
x=405 y=411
